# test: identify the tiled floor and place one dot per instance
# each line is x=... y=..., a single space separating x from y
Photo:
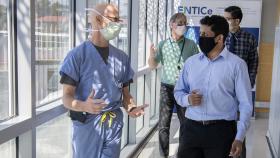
x=256 y=141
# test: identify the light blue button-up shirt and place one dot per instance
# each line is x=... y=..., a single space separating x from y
x=225 y=85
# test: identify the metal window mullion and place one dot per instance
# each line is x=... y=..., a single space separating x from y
x=26 y=73
x=81 y=23
x=10 y=60
x=133 y=39
x=73 y=23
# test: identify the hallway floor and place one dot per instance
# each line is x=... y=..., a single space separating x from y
x=256 y=142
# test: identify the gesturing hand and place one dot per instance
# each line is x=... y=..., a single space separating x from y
x=152 y=50
x=195 y=98
x=137 y=111
x=236 y=149
x=94 y=106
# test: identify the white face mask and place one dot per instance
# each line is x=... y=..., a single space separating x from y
x=109 y=32
x=180 y=30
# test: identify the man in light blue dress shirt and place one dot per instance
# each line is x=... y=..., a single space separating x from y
x=213 y=85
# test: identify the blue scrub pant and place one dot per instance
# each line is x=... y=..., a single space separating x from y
x=94 y=140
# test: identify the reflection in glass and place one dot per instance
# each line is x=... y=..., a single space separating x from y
x=52 y=33
x=4 y=61
x=53 y=138
x=8 y=149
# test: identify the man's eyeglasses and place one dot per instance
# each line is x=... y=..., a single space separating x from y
x=113 y=19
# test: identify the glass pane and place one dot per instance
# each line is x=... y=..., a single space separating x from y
x=8 y=149
x=122 y=41
x=140 y=101
x=53 y=138
x=152 y=86
x=142 y=32
x=4 y=61
x=92 y=3
x=125 y=129
x=52 y=31
x=123 y=37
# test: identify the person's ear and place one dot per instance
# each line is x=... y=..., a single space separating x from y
x=237 y=21
x=171 y=25
x=220 y=38
x=99 y=20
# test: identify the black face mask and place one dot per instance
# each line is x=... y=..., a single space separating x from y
x=206 y=44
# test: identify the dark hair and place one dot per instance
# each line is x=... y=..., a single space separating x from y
x=177 y=16
x=218 y=24
x=235 y=12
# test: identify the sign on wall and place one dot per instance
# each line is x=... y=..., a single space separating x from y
x=197 y=9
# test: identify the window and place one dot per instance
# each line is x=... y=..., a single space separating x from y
x=162 y=20
x=52 y=42
x=8 y=149
x=6 y=105
x=140 y=101
x=92 y=3
x=53 y=138
x=142 y=34
x=123 y=36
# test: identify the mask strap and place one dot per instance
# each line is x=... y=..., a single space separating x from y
x=90 y=30
x=91 y=9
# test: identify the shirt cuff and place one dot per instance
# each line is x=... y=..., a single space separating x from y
x=185 y=101
x=240 y=135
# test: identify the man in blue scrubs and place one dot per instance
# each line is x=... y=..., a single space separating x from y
x=95 y=77
x=214 y=85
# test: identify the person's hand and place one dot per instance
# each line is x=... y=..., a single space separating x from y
x=236 y=149
x=195 y=98
x=137 y=111
x=94 y=106
x=153 y=50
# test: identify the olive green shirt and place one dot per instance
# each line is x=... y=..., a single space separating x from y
x=168 y=54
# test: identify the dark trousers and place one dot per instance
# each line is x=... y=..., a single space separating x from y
x=206 y=141
x=243 y=153
x=167 y=103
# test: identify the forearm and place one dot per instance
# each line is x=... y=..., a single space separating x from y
x=253 y=64
x=152 y=62
x=72 y=104
x=181 y=98
x=128 y=101
x=252 y=74
x=243 y=124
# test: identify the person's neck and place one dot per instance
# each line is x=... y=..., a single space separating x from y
x=235 y=29
x=98 y=40
x=175 y=37
x=216 y=51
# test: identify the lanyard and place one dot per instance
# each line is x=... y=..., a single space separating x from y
x=178 y=67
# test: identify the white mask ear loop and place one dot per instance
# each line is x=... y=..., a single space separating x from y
x=90 y=30
x=91 y=9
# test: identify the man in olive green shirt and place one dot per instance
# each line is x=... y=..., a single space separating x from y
x=171 y=53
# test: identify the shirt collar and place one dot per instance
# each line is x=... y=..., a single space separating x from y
x=173 y=41
x=236 y=34
x=223 y=54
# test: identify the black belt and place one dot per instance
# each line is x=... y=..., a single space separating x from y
x=211 y=122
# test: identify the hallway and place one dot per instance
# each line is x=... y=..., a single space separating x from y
x=257 y=146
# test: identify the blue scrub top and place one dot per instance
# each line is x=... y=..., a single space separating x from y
x=85 y=65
